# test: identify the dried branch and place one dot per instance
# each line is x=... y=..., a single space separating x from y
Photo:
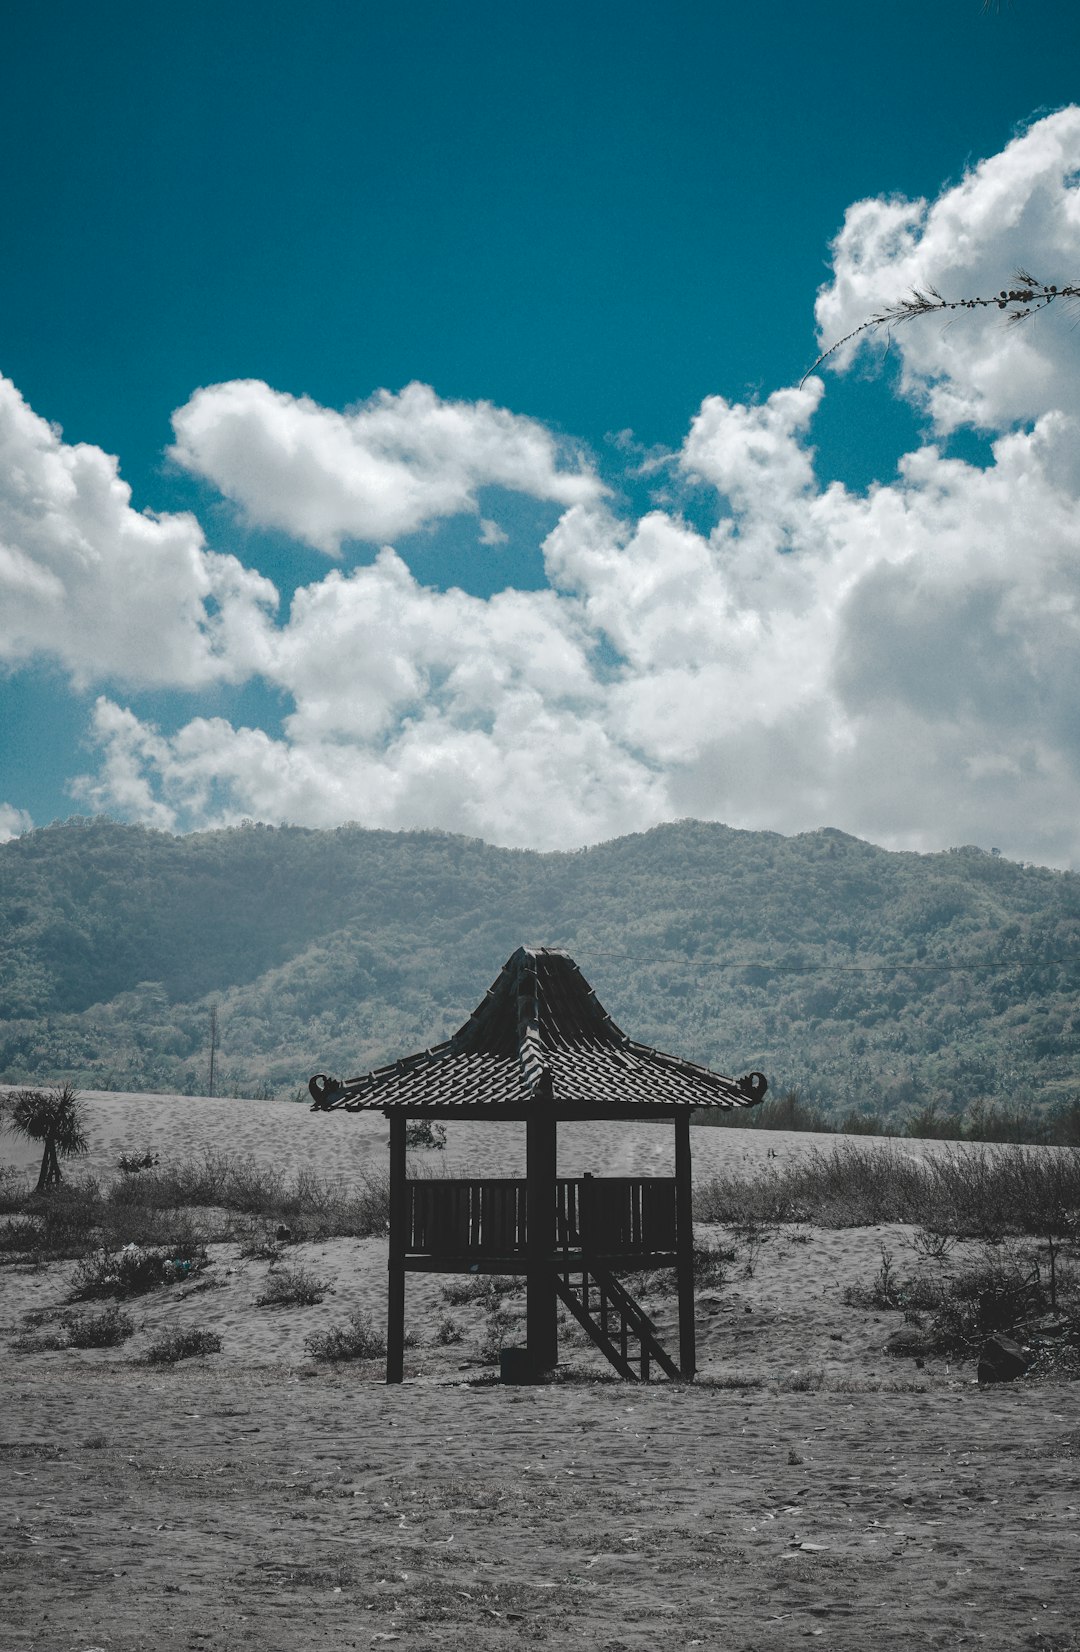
x=1026 y=299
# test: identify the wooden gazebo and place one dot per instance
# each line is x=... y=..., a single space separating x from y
x=541 y=1048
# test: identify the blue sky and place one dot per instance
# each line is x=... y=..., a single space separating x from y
x=600 y=224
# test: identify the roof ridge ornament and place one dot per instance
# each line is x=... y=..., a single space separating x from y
x=534 y=1069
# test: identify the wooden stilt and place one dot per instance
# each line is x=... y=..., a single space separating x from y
x=395 y=1312
x=684 y=1245
x=541 y=1302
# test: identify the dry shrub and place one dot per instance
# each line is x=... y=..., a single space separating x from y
x=424 y=1133
x=481 y=1287
x=735 y=1381
x=14 y=1189
x=19 y=1238
x=997 y=1294
x=357 y=1340
x=497 y=1326
x=176 y=1231
x=63 y=1222
x=802 y=1382
x=313 y=1206
x=130 y=1164
x=106 y=1329
x=261 y=1245
x=40 y=1342
x=134 y=1271
x=1003 y=1290
x=152 y=1207
x=178 y=1344
x=1005 y=1190
x=973 y=1191
x=918 y=1293
x=710 y=1266
x=292 y=1288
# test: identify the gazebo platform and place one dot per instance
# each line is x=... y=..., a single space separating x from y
x=541 y=1048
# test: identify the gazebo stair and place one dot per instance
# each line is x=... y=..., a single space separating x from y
x=604 y=1308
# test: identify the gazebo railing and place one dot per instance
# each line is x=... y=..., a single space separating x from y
x=602 y=1216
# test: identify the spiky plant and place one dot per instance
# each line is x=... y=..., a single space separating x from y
x=57 y=1119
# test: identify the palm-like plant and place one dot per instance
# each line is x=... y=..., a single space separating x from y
x=56 y=1118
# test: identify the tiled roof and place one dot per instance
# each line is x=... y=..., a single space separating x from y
x=540 y=1037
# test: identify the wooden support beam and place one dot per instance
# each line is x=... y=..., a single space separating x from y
x=541 y=1303
x=684 y=1244
x=395 y=1306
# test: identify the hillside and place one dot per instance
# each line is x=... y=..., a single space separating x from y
x=337 y=950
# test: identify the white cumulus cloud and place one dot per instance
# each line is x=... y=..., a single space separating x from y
x=375 y=472
x=107 y=590
x=903 y=664
x=1019 y=209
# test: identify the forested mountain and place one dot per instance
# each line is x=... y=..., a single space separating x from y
x=333 y=951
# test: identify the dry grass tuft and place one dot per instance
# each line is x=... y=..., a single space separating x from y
x=292 y=1288
x=155 y=1206
x=974 y=1192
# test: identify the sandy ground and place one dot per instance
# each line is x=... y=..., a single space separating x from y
x=809 y=1486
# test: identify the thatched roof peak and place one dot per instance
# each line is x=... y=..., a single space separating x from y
x=539 y=1037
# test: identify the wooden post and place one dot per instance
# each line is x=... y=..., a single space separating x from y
x=395 y=1305
x=541 y=1302
x=684 y=1245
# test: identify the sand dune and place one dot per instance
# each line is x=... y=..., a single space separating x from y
x=288 y=1135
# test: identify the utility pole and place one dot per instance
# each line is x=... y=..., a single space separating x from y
x=213 y=1044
